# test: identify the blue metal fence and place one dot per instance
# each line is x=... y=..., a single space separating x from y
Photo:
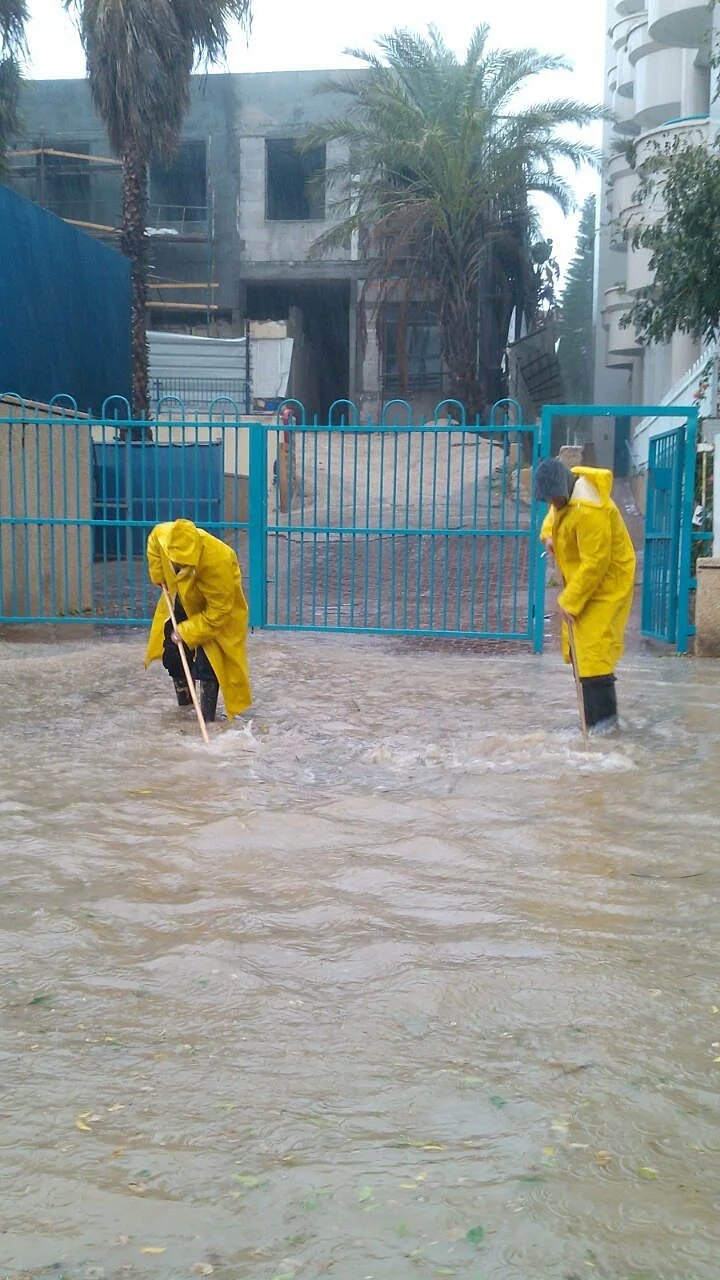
x=79 y=496
x=422 y=528
x=408 y=528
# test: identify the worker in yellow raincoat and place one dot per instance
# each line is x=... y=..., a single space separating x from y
x=595 y=556
x=211 y=612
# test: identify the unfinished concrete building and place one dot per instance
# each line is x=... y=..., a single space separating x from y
x=231 y=223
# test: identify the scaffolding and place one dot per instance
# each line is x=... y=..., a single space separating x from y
x=61 y=181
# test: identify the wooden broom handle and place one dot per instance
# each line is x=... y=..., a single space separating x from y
x=578 y=686
x=186 y=669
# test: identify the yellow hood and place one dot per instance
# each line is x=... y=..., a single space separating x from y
x=593 y=486
x=183 y=543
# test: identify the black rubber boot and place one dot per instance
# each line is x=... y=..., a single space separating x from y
x=184 y=697
x=600 y=702
x=209 y=690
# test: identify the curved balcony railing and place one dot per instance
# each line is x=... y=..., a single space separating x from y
x=620 y=342
x=624 y=115
x=692 y=130
x=640 y=42
x=680 y=22
x=625 y=74
x=659 y=81
x=624 y=8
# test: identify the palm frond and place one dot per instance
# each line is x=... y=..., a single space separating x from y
x=14 y=15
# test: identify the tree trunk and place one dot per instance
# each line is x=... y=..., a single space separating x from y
x=133 y=243
x=460 y=327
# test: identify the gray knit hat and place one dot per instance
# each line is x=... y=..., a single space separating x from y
x=552 y=480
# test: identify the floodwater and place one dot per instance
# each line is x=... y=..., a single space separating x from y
x=395 y=980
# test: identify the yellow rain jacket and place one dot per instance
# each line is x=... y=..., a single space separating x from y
x=596 y=558
x=212 y=596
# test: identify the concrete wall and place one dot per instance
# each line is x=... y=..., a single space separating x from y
x=45 y=473
x=707 y=609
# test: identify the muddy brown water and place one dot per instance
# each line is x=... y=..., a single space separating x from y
x=396 y=980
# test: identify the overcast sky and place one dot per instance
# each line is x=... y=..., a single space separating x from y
x=287 y=35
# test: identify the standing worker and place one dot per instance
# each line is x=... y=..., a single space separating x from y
x=203 y=575
x=596 y=558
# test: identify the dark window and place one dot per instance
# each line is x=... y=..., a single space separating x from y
x=178 y=191
x=295 y=182
x=62 y=181
x=422 y=367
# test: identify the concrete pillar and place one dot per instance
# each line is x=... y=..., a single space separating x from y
x=707 y=609
x=716 y=500
x=571 y=455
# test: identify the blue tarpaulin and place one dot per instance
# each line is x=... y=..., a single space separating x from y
x=64 y=309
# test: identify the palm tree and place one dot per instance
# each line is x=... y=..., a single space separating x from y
x=441 y=166
x=575 y=350
x=13 y=16
x=140 y=56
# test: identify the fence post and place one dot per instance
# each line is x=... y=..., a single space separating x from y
x=688 y=503
x=257 y=524
x=541 y=449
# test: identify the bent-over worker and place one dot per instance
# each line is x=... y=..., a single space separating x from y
x=211 y=611
x=588 y=537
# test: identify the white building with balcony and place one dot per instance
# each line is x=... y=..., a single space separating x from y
x=659 y=88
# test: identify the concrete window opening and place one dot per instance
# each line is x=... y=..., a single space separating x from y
x=295 y=182
x=416 y=364
x=178 y=191
x=62 y=182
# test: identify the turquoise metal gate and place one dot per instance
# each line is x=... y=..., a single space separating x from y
x=660 y=595
x=423 y=528
x=667 y=580
x=399 y=527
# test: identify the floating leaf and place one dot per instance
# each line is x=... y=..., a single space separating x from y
x=286 y=1275
x=475 y=1235
x=646 y=1172
x=81 y=1125
x=246 y=1179
x=602 y=1158
x=153 y=1248
x=548 y=1151
x=310 y=1202
x=365 y=1194
x=497 y=1101
x=403 y=1229
x=38 y=1000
